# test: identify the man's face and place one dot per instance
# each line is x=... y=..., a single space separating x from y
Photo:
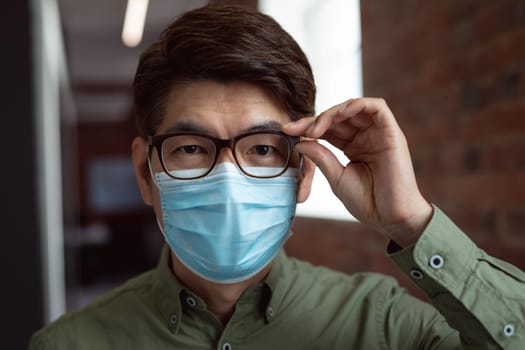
x=219 y=110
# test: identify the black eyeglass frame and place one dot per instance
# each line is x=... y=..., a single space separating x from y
x=157 y=141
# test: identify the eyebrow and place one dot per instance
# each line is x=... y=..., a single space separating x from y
x=190 y=127
x=270 y=125
x=187 y=127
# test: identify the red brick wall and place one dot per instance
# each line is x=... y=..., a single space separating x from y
x=453 y=74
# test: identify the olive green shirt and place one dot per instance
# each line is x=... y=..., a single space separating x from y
x=299 y=306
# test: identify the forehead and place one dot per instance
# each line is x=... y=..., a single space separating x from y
x=221 y=109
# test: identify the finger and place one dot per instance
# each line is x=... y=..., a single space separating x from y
x=360 y=113
x=324 y=121
x=341 y=143
x=325 y=160
x=313 y=127
x=342 y=131
x=376 y=108
x=298 y=127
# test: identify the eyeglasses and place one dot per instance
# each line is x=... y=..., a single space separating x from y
x=259 y=154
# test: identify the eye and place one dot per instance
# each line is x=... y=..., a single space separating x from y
x=262 y=150
x=190 y=149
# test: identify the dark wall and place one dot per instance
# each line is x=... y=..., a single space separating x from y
x=21 y=292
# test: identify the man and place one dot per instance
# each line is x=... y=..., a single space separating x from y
x=224 y=103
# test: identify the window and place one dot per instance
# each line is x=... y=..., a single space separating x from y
x=330 y=34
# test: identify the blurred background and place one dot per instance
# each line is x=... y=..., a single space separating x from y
x=74 y=223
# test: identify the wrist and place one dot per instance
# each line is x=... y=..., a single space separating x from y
x=408 y=231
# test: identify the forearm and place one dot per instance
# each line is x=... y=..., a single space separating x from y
x=480 y=296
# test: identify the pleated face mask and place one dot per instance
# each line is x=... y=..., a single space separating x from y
x=226 y=227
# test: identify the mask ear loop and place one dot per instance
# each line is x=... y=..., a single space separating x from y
x=150 y=168
x=154 y=179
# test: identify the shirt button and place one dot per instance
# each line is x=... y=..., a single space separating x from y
x=508 y=330
x=173 y=319
x=269 y=312
x=436 y=261
x=191 y=301
x=416 y=274
x=226 y=346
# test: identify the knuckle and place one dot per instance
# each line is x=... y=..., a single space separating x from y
x=382 y=101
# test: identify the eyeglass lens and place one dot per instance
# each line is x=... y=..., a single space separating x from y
x=259 y=155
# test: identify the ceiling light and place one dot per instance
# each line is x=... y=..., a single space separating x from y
x=134 y=22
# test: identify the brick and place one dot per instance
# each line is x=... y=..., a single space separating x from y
x=502 y=118
x=514 y=227
x=506 y=154
x=493 y=56
x=510 y=189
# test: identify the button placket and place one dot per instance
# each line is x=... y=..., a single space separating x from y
x=174 y=319
x=191 y=301
x=269 y=312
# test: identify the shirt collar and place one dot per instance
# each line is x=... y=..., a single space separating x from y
x=169 y=293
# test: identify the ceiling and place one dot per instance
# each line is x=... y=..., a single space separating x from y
x=100 y=66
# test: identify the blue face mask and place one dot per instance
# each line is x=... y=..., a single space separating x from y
x=226 y=227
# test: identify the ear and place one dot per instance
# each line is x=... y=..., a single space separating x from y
x=305 y=182
x=140 y=163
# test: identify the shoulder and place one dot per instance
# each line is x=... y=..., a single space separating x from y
x=105 y=316
x=327 y=278
x=321 y=285
x=347 y=306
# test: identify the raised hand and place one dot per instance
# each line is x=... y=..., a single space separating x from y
x=378 y=185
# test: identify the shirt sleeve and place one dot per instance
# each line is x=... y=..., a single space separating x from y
x=480 y=296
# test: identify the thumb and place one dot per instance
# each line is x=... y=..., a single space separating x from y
x=325 y=160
